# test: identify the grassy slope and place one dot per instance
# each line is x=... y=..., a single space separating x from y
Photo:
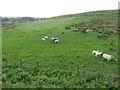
x=0 y=46
x=58 y=60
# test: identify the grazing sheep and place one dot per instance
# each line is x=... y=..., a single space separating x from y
x=108 y=57
x=93 y=52
x=46 y=37
x=52 y=38
x=43 y=39
x=88 y=30
x=97 y=53
x=55 y=40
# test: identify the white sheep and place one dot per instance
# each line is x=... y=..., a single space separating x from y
x=94 y=51
x=108 y=57
x=43 y=39
x=46 y=37
x=97 y=53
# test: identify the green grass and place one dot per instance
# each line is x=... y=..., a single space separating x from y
x=68 y=63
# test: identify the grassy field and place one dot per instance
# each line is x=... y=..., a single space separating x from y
x=34 y=63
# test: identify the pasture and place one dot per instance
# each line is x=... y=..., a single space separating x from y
x=34 y=63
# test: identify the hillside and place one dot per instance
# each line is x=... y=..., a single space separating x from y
x=97 y=20
x=30 y=62
x=110 y=13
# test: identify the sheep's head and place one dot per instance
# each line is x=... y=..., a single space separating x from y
x=52 y=38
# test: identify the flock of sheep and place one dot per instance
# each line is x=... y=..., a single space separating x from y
x=104 y=55
x=94 y=52
x=55 y=40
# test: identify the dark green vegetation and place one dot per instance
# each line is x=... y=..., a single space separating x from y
x=30 y=62
x=12 y=22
